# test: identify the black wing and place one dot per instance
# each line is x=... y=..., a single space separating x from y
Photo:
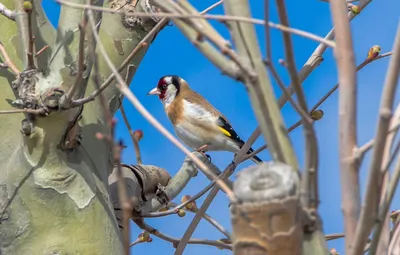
x=229 y=132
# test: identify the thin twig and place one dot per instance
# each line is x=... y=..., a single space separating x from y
x=196 y=220
x=370 y=144
x=330 y=237
x=212 y=6
x=134 y=139
x=241 y=154
x=143 y=225
x=25 y=110
x=298 y=32
x=7 y=12
x=31 y=40
x=347 y=120
x=7 y=60
x=199 y=214
x=81 y=59
x=137 y=241
x=316 y=57
x=210 y=220
x=111 y=78
x=175 y=209
x=370 y=207
x=359 y=67
x=145 y=113
x=41 y=50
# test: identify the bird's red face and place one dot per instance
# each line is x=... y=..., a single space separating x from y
x=167 y=87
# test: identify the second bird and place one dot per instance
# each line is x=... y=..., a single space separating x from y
x=196 y=122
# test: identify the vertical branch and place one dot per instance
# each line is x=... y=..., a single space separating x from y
x=311 y=187
x=135 y=140
x=31 y=40
x=381 y=237
x=259 y=85
x=347 y=120
x=369 y=212
x=81 y=58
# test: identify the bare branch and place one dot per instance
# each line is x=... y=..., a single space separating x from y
x=81 y=59
x=176 y=208
x=26 y=110
x=133 y=137
x=7 y=61
x=370 y=208
x=347 y=120
x=316 y=57
x=331 y=237
x=212 y=6
x=381 y=237
x=208 y=218
x=31 y=39
x=259 y=86
x=7 y=12
x=143 y=225
x=359 y=67
x=241 y=155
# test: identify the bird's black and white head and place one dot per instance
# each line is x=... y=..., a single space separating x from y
x=167 y=89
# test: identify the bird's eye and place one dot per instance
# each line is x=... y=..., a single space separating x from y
x=164 y=86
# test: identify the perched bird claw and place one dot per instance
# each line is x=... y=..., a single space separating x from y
x=209 y=158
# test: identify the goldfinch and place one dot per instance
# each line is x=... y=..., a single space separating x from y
x=196 y=122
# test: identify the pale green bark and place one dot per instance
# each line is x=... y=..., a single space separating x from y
x=54 y=201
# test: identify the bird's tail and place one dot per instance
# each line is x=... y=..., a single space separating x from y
x=255 y=159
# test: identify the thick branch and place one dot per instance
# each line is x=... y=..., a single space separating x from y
x=267 y=219
x=260 y=89
x=347 y=117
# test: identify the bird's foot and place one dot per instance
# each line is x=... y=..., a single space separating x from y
x=202 y=148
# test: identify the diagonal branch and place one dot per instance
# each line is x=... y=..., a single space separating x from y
x=7 y=12
x=143 y=225
x=259 y=86
x=8 y=61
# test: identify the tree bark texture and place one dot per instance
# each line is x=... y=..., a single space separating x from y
x=267 y=220
x=54 y=186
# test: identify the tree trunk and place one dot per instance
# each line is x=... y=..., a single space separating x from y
x=54 y=179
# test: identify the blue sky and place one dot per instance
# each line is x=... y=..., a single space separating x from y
x=172 y=53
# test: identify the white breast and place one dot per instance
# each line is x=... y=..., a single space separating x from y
x=200 y=127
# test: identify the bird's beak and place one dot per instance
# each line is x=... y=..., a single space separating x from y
x=154 y=91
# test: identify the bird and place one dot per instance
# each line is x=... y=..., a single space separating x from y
x=196 y=122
